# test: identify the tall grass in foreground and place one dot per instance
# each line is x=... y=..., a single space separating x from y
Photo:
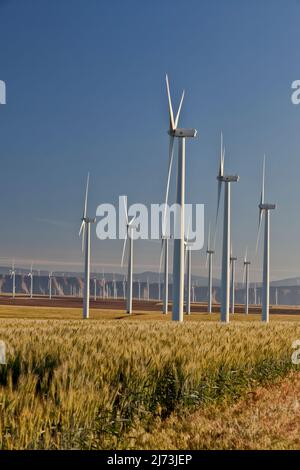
x=74 y=384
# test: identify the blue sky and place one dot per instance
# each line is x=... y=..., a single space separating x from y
x=86 y=92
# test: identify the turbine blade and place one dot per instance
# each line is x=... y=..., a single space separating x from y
x=81 y=227
x=262 y=199
x=179 y=110
x=125 y=208
x=131 y=221
x=188 y=230
x=170 y=164
x=244 y=273
x=86 y=196
x=222 y=158
x=258 y=230
x=208 y=237
x=161 y=253
x=246 y=254
x=206 y=261
x=123 y=251
x=83 y=238
x=172 y=125
x=218 y=207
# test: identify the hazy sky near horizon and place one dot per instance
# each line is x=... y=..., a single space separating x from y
x=86 y=92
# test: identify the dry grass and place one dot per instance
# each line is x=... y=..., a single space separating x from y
x=267 y=418
x=73 y=384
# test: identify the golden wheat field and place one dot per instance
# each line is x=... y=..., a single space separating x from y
x=107 y=384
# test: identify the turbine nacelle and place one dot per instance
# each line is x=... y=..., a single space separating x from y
x=228 y=179
x=88 y=220
x=183 y=133
x=267 y=207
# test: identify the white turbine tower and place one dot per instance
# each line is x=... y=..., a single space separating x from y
x=124 y=287
x=264 y=209
x=189 y=276
x=148 y=289
x=85 y=230
x=13 y=277
x=164 y=254
x=103 y=285
x=30 y=275
x=225 y=278
x=178 y=257
x=114 y=287
x=233 y=260
x=209 y=258
x=50 y=285
x=128 y=236
x=95 y=289
x=246 y=281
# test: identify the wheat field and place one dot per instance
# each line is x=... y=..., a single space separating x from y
x=102 y=384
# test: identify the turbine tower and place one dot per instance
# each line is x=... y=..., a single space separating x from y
x=189 y=276
x=103 y=285
x=124 y=287
x=114 y=287
x=13 y=276
x=95 y=288
x=225 y=278
x=50 y=285
x=233 y=260
x=165 y=254
x=86 y=247
x=148 y=289
x=246 y=281
x=209 y=258
x=178 y=257
x=30 y=275
x=264 y=209
x=129 y=232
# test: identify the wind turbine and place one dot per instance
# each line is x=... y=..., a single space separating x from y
x=209 y=258
x=178 y=258
x=225 y=279
x=246 y=281
x=13 y=276
x=30 y=275
x=264 y=209
x=50 y=285
x=86 y=247
x=233 y=260
x=148 y=289
x=129 y=232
